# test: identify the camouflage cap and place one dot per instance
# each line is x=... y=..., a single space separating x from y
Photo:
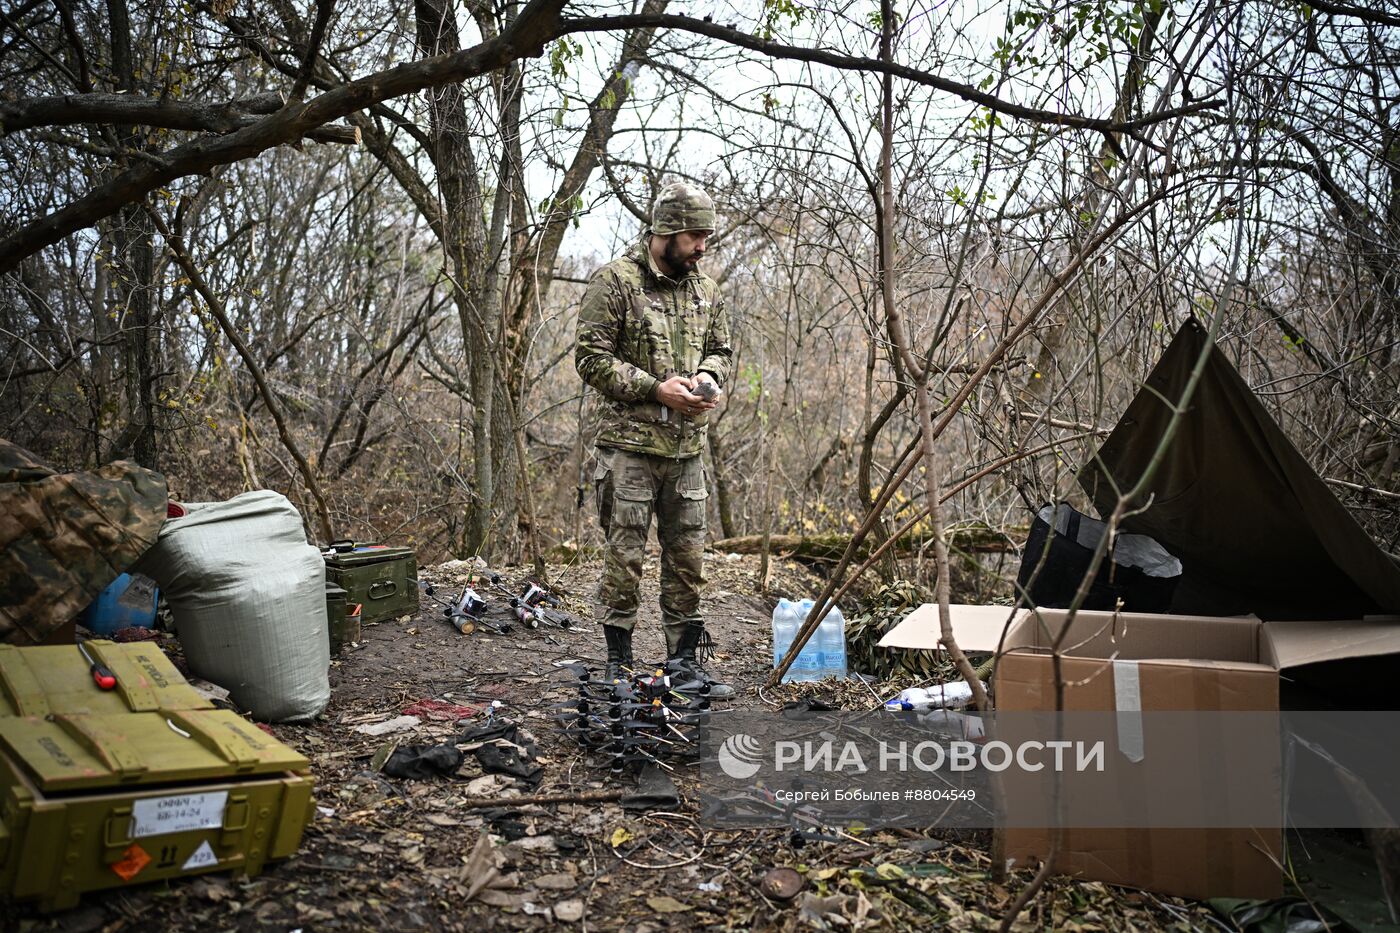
x=679 y=207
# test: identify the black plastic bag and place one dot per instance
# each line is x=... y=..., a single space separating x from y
x=1139 y=571
x=420 y=762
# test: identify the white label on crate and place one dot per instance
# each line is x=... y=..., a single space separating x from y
x=202 y=856
x=155 y=816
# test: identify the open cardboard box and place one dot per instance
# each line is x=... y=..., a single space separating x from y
x=1125 y=662
x=1256 y=530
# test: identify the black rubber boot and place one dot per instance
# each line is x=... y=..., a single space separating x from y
x=619 y=652
x=686 y=659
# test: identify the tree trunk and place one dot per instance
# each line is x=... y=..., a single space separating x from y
x=464 y=247
x=140 y=333
x=723 y=495
x=135 y=260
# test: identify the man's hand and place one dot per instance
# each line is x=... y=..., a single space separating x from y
x=710 y=390
x=675 y=394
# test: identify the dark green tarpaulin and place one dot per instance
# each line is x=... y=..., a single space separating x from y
x=1255 y=528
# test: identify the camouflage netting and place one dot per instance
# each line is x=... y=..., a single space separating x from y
x=883 y=610
x=65 y=536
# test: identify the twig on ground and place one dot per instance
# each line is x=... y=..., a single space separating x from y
x=598 y=796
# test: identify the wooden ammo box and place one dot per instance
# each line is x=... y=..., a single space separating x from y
x=383 y=580
x=108 y=788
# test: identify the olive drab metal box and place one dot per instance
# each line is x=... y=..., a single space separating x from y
x=337 y=619
x=142 y=782
x=383 y=580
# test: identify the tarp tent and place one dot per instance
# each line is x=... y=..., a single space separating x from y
x=1255 y=528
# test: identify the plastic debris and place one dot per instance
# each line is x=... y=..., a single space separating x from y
x=956 y=694
x=397 y=724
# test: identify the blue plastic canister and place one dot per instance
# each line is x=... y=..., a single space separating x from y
x=110 y=612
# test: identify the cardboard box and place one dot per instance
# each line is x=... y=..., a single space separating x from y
x=1128 y=662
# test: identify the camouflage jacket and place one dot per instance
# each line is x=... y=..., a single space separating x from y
x=637 y=327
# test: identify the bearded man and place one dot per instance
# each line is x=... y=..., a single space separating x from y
x=653 y=341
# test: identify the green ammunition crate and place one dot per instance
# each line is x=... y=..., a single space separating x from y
x=384 y=580
x=147 y=781
x=336 y=618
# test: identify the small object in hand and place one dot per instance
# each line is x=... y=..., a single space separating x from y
x=706 y=390
x=101 y=675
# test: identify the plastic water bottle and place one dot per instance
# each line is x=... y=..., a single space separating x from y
x=783 y=628
x=953 y=695
x=809 y=663
x=833 y=644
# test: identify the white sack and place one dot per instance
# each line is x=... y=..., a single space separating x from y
x=248 y=595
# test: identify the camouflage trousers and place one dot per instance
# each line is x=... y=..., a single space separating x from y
x=630 y=487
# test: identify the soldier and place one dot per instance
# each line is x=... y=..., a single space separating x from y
x=653 y=340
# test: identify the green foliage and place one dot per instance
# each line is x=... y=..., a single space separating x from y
x=752 y=378
x=1091 y=27
x=572 y=208
x=985 y=119
x=563 y=52
x=876 y=19
x=774 y=11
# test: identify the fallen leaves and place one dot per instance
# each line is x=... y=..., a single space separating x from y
x=539 y=845
x=311 y=912
x=667 y=905
x=559 y=881
x=890 y=871
x=212 y=890
x=480 y=873
x=488 y=785
x=570 y=911
x=400 y=855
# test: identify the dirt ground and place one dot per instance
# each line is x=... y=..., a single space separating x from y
x=397 y=854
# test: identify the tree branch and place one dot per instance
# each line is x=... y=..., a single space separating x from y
x=126 y=110
x=537 y=24
x=313 y=47
x=844 y=62
x=1366 y=14
x=216 y=307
